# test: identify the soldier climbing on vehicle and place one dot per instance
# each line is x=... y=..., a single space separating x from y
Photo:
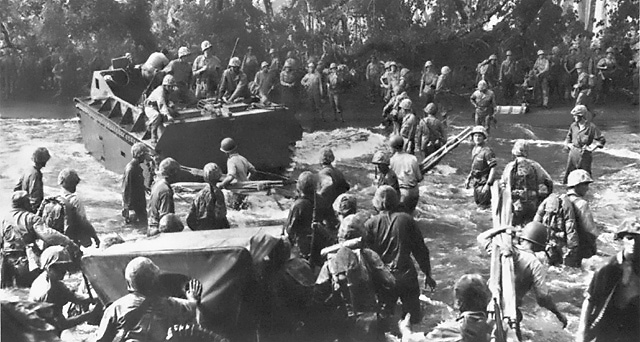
x=159 y=108
x=31 y=181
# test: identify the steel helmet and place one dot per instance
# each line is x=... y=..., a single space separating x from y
x=579 y=65
x=183 y=51
x=326 y=156
x=482 y=85
x=471 y=293
x=54 y=255
x=68 y=176
x=445 y=70
x=169 y=167
x=428 y=64
x=628 y=226
x=264 y=64
x=311 y=64
x=139 y=149
x=386 y=198
x=234 y=62
x=212 y=173
x=481 y=130
x=40 y=155
x=351 y=227
x=333 y=66
x=380 y=157
x=404 y=72
x=20 y=199
x=272 y=51
x=205 y=45
x=509 y=53
x=406 y=104
x=574 y=47
x=228 y=145
x=170 y=223
x=141 y=275
x=555 y=49
x=393 y=63
x=387 y=65
x=577 y=177
x=611 y=50
x=493 y=57
x=579 y=110
x=169 y=80
x=536 y=233
x=345 y=204
x=306 y=183
x=431 y=108
x=520 y=148
x=540 y=52
x=289 y=63
x=396 y=142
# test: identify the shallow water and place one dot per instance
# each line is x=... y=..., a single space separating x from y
x=447 y=216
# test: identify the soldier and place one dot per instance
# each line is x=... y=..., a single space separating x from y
x=577 y=188
x=239 y=169
x=335 y=88
x=390 y=79
x=611 y=307
x=134 y=189
x=428 y=83
x=288 y=83
x=384 y=174
x=208 y=210
x=430 y=134
x=507 y=78
x=408 y=125
x=541 y=70
x=233 y=86
x=373 y=73
x=158 y=107
x=524 y=177
x=406 y=167
x=182 y=75
x=332 y=180
x=483 y=168
x=607 y=67
x=391 y=111
x=152 y=68
x=443 y=92
x=571 y=71
x=206 y=70
x=488 y=71
x=556 y=74
x=583 y=138
x=161 y=199
x=312 y=82
x=31 y=181
x=484 y=102
x=582 y=89
x=261 y=85
x=77 y=226
x=250 y=63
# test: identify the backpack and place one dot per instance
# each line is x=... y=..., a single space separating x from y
x=553 y=216
x=53 y=212
x=524 y=180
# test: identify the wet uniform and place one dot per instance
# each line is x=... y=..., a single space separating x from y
x=409 y=175
x=430 y=135
x=485 y=102
x=408 y=131
x=160 y=202
x=338 y=184
x=428 y=91
x=77 y=226
x=585 y=225
x=579 y=138
x=524 y=187
x=482 y=161
x=133 y=195
x=208 y=210
x=389 y=179
x=562 y=230
x=55 y=292
x=31 y=182
x=239 y=167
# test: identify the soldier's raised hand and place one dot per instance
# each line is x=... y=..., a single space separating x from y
x=194 y=290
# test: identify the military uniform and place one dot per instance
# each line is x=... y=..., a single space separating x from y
x=483 y=159
x=207 y=79
x=208 y=210
x=233 y=85
x=31 y=182
x=134 y=190
x=157 y=108
x=312 y=82
x=160 y=202
x=541 y=68
x=507 y=79
x=525 y=176
x=409 y=175
x=430 y=135
x=408 y=131
x=579 y=138
x=485 y=102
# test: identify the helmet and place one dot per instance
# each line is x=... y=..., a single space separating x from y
x=380 y=157
x=579 y=110
x=509 y=53
x=183 y=51
x=212 y=173
x=54 y=255
x=540 y=52
x=574 y=47
x=520 y=148
x=351 y=227
x=431 y=108
x=306 y=183
x=481 y=130
x=205 y=45
x=234 y=62
x=169 y=167
x=555 y=49
x=577 y=177
x=628 y=226
x=311 y=65
x=493 y=57
x=386 y=198
x=333 y=66
x=482 y=85
x=41 y=155
x=169 y=80
x=139 y=149
x=406 y=104
x=326 y=156
x=393 y=63
x=579 y=65
x=228 y=145
x=471 y=293
x=345 y=204
x=68 y=176
x=445 y=70
x=264 y=64
x=250 y=47
x=141 y=275
x=20 y=199
x=404 y=72
x=170 y=223
x=536 y=233
x=289 y=63
x=396 y=142
x=611 y=50
x=387 y=65
x=272 y=51
x=428 y=64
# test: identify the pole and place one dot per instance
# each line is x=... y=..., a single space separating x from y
x=233 y=52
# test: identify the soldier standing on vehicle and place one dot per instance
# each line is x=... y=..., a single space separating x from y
x=208 y=210
x=20 y=229
x=333 y=183
x=335 y=88
x=159 y=109
x=483 y=168
x=134 y=189
x=407 y=169
x=430 y=134
x=611 y=307
x=529 y=272
x=384 y=174
x=488 y=71
x=428 y=83
x=152 y=68
x=373 y=73
x=206 y=70
x=250 y=63
x=395 y=236
x=31 y=181
x=145 y=314
x=524 y=178
x=583 y=138
x=182 y=75
x=239 y=169
x=233 y=86
x=484 y=102
x=541 y=70
x=312 y=82
x=260 y=85
x=161 y=200
x=507 y=78
x=77 y=226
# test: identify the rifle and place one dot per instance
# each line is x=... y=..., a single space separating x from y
x=233 y=52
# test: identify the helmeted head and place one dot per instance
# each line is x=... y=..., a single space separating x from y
x=630 y=226
x=139 y=150
x=579 y=65
x=169 y=81
x=264 y=65
x=428 y=64
x=169 y=168
x=493 y=58
x=311 y=67
x=555 y=50
x=509 y=53
x=306 y=184
x=205 y=45
x=183 y=51
x=610 y=50
x=289 y=63
x=482 y=85
x=387 y=65
x=68 y=179
x=520 y=148
x=396 y=142
x=212 y=173
x=351 y=227
x=380 y=157
x=404 y=72
x=234 y=62
x=345 y=204
x=431 y=109
x=577 y=177
x=228 y=145
x=141 y=275
x=326 y=156
x=385 y=199
x=55 y=260
x=540 y=53
x=445 y=70
x=471 y=293
x=574 y=48
x=579 y=110
x=536 y=233
x=41 y=156
x=393 y=65
x=406 y=104
x=20 y=200
x=480 y=130
x=250 y=48
x=333 y=66
x=170 y=223
x=272 y=51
